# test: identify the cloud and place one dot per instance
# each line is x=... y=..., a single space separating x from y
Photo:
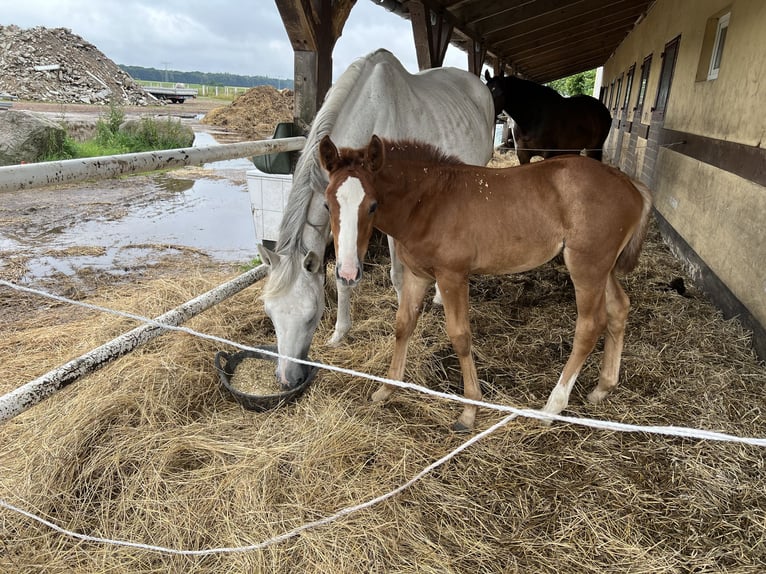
x=222 y=36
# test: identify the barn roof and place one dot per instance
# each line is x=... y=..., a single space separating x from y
x=542 y=40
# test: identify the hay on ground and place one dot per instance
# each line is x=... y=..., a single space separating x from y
x=150 y=450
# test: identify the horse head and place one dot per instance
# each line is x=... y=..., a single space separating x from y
x=294 y=300
x=495 y=85
x=350 y=199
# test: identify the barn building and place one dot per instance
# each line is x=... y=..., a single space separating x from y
x=688 y=100
x=683 y=80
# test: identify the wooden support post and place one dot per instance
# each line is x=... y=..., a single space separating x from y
x=432 y=33
x=313 y=27
x=305 y=79
x=476 y=56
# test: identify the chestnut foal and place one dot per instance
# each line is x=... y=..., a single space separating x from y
x=452 y=220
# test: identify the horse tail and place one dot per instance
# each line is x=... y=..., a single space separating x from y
x=628 y=258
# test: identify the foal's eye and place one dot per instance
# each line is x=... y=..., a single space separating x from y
x=373 y=207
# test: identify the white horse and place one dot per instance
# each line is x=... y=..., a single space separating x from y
x=447 y=107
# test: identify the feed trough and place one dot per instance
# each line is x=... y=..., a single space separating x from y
x=243 y=378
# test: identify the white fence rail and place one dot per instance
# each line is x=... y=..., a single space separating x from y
x=27 y=176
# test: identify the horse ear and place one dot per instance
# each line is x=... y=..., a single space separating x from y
x=375 y=154
x=487 y=77
x=312 y=262
x=328 y=153
x=269 y=257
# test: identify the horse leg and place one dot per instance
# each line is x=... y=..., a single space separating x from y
x=521 y=145
x=396 y=269
x=591 y=321
x=396 y=273
x=413 y=290
x=455 y=293
x=343 y=317
x=523 y=155
x=617 y=306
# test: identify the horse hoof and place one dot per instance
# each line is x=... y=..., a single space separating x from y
x=379 y=396
x=544 y=423
x=596 y=396
x=459 y=427
x=334 y=341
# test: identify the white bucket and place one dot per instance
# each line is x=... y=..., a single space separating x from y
x=268 y=197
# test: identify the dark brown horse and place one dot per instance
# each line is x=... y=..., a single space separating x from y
x=547 y=124
x=452 y=220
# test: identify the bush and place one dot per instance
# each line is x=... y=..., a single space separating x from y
x=150 y=134
x=116 y=136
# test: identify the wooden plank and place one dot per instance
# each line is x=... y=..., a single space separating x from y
x=313 y=27
x=477 y=53
x=431 y=38
x=305 y=81
x=301 y=22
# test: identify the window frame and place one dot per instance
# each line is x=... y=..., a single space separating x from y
x=643 y=84
x=618 y=91
x=721 y=32
x=628 y=87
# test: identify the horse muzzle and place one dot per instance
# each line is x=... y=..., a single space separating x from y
x=348 y=275
x=291 y=375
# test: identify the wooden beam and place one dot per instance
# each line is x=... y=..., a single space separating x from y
x=432 y=33
x=301 y=22
x=313 y=27
x=477 y=53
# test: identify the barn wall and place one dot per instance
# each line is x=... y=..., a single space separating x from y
x=710 y=171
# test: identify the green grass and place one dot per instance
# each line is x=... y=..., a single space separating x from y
x=147 y=135
x=252 y=264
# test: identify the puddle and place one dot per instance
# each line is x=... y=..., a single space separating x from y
x=134 y=222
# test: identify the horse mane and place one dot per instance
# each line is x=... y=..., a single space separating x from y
x=310 y=180
x=525 y=99
x=418 y=151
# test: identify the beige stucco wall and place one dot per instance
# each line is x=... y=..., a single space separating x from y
x=732 y=107
x=720 y=215
x=723 y=217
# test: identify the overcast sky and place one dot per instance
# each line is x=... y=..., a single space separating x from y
x=232 y=36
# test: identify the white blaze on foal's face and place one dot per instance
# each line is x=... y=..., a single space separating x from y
x=350 y=195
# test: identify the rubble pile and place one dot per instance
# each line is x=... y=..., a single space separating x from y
x=55 y=65
x=255 y=113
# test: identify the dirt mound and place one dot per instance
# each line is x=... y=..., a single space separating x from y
x=255 y=113
x=55 y=65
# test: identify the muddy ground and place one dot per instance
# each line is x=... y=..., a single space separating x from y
x=188 y=109
x=32 y=219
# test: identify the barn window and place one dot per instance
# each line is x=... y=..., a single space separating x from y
x=642 y=85
x=713 y=44
x=628 y=86
x=720 y=39
x=617 y=94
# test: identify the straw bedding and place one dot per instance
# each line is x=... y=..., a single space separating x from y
x=150 y=450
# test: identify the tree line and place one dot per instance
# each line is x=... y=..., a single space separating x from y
x=204 y=78
x=577 y=84
x=581 y=83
